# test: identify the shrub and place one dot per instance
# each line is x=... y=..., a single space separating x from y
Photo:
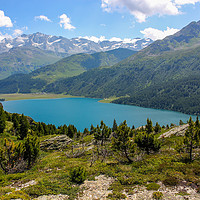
x=16 y=195
x=170 y=181
x=78 y=175
x=116 y=195
x=152 y=186
x=157 y=195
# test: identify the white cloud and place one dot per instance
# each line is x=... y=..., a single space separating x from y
x=115 y=39
x=4 y=36
x=4 y=20
x=17 y=32
x=94 y=39
x=183 y=2
x=156 y=34
x=65 y=22
x=42 y=17
x=142 y=9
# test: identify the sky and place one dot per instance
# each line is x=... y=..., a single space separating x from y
x=97 y=20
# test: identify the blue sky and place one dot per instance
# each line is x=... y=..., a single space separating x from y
x=99 y=18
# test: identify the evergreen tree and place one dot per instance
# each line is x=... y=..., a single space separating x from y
x=71 y=131
x=64 y=130
x=191 y=139
x=2 y=120
x=15 y=120
x=24 y=126
x=157 y=128
x=197 y=124
x=149 y=126
x=122 y=142
x=114 y=125
x=92 y=130
x=86 y=131
x=181 y=122
x=31 y=149
x=102 y=133
x=147 y=142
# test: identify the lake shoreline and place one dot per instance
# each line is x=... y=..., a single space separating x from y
x=22 y=96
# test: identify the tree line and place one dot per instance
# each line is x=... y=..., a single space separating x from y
x=121 y=141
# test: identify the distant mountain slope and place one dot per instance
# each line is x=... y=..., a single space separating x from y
x=79 y=63
x=24 y=60
x=21 y=83
x=60 y=44
x=187 y=37
x=181 y=95
x=67 y=67
x=160 y=64
x=131 y=75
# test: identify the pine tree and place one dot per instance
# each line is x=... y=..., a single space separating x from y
x=114 y=125
x=86 y=131
x=2 y=120
x=102 y=133
x=191 y=139
x=24 y=127
x=71 y=131
x=149 y=126
x=122 y=141
x=157 y=128
x=147 y=142
x=31 y=149
x=197 y=124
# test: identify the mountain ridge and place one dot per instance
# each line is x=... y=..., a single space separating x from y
x=61 y=44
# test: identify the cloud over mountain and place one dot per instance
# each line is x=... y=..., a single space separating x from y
x=65 y=22
x=156 y=34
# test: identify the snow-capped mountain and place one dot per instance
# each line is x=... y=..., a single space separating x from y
x=60 y=44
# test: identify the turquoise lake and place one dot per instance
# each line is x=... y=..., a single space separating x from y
x=82 y=112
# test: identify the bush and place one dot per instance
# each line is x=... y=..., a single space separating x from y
x=157 y=195
x=16 y=195
x=170 y=181
x=116 y=195
x=78 y=175
x=152 y=186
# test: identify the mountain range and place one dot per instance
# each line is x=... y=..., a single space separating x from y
x=59 y=44
x=26 y=53
x=165 y=75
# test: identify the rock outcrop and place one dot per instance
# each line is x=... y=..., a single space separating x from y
x=56 y=143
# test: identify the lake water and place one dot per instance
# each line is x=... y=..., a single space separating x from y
x=82 y=112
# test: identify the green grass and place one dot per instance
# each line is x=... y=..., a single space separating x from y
x=20 y=96
x=110 y=99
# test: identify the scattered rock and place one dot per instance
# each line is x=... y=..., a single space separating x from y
x=169 y=193
x=56 y=143
x=52 y=197
x=97 y=189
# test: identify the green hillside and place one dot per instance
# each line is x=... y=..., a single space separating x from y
x=79 y=63
x=70 y=66
x=131 y=75
x=157 y=65
x=24 y=60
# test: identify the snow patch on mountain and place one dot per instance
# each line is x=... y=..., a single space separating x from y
x=60 y=44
